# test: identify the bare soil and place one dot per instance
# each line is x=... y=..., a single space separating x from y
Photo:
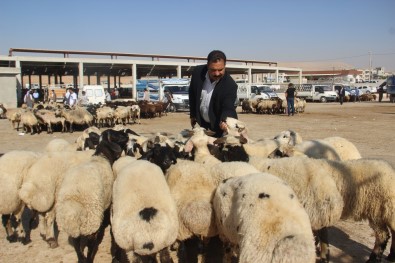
x=368 y=125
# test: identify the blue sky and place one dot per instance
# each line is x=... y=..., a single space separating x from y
x=284 y=31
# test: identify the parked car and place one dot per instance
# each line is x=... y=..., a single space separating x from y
x=264 y=92
x=367 y=89
x=350 y=91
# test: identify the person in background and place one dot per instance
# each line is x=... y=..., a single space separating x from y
x=83 y=100
x=356 y=95
x=28 y=99
x=290 y=94
x=66 y=97
x=116 y=93
x=168 y=98
x=380 y=90
x=342 y=93
x=36 y=95
x=212 y=94
x=52 y=96
x=72 y=98
x=146 y=96
x=108 y=96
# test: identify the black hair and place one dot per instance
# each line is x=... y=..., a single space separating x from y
x=215 y=56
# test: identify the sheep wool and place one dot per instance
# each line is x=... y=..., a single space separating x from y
x=84 y=195
x=262 y=215
x=14 y=166
x=45 y=176
x=314 y=187
x=192 y=189
x=144 y=215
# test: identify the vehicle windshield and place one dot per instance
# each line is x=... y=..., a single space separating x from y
x=325 y=88
x=178 y=89
x=256 y=89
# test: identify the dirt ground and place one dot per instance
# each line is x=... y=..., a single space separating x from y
x=367 y=124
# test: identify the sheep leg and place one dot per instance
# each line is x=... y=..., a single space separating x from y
x=79 y=249
x=27 y=217
x=95 y=239
x=118 y=254
x=11 y=235
x=391 y=255
x=42 y=225
x=71 y=127
x=164 y=256
x=382 y=236
x=191 y=250
x=323 y=241
x=50 y=229
x=213 y=250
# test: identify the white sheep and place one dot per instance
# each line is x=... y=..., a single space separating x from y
x=84 y=198
x=262 y=215
x=367 y=187
x=122 y=114
x=144 y=216
x=48 y=118
x=29 y=122
x=104 y=115
x=313 y=185
x=14 y=166
x=78 y=115
x=332 y=148
x=59 y=145
x=192 y=188
x=14 y=116
x=42 y=182
x=135 y=113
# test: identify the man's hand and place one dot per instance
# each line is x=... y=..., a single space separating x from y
x=223 y=126
x=193 y=122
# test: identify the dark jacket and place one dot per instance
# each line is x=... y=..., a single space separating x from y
x=222 y=104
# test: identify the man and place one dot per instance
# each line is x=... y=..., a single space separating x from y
x=290 y=94
x=212 y=94
x=83 y=100
x=72 y=98
x=342 y=93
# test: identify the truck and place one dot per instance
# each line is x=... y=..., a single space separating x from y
x=316 y=92
x=246 y=90
x=391 y=87
x=179 y=90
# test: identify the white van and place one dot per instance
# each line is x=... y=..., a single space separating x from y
x=316 y=92
x=95 y=93
x=179 y=89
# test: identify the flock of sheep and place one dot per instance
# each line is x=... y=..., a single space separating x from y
x=219 y=200
x=273 y=106
x=52 y=116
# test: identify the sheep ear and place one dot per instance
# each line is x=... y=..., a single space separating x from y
x=243 y=140
x=209 y=133
x=221 y=140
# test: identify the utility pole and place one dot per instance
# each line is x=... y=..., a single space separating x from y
x=370 y=65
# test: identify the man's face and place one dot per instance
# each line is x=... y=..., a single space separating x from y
x=216 y=70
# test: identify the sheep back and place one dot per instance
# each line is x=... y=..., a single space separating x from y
x=344 y=148
x=144 y=215
x=192 y=189
x=83 y=196
x=314 y=186
x=14 y=166
x=44 y=177
x=261 y=213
